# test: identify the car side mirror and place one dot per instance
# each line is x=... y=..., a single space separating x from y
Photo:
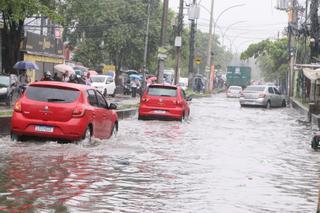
x=112 y=106
x=189 y=98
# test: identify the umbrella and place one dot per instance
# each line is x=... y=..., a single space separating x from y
x=135 y=76
x=63 y=68
x=151 y=79
x=24 y=65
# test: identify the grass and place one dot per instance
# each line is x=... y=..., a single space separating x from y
x=5 y=113
x=127 y=106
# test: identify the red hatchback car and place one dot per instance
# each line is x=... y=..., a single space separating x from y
x=164 y=101
x=63 y=111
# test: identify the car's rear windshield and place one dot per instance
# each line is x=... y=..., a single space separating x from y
x=98 y=79
x=255 y=89
x=52 y=94
x=4 y=81
x=235 y=88
x=162 y=91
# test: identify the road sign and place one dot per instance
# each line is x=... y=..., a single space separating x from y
x=198 y=60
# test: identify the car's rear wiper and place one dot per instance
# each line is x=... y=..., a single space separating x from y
x=55 y=100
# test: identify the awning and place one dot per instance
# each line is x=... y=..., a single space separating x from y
x=312 y=74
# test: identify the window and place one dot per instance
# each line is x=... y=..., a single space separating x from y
x=276 y=91
x=270 y=90
x=52 y=94
x=92 y=98
x=162 y=91
x=255 y=89
x=102 y=102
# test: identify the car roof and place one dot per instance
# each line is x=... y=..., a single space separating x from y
x=165 y=86
x=61 y=84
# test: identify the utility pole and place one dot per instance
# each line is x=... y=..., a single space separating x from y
x=178 y=42
x=292 y=21
x=162 y=54
x=191 y=46
x=209 y=69
x=146 y=46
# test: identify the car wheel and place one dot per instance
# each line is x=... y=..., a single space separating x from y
x=182 y=117
x=14 y=137
x=284 y=104
x=86 y=138
x=268 y=105
x=314 y=144
x=114 y=93
x=114 y=130
x=140 y=117
x=105 y=93
x=9 y=100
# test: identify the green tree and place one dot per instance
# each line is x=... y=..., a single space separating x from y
x=112 y=31
x=14 y=13
x=272 y=57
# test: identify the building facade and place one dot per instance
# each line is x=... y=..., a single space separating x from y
x=45 y=51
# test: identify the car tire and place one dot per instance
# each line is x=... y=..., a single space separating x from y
x=14 y=137
x=105 y=93
x=314 y=144
x=86 y=138
x=114 y=130
x=268 y=105
x=9 y=100
x=114 y=93
x=284 y=103
x=182 y=117
x=140 y=117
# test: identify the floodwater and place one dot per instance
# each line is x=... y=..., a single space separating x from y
x=223 y=159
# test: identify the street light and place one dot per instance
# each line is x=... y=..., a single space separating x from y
x=210 y=56
x=228 y=28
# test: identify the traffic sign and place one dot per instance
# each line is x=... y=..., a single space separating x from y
x=198 y=60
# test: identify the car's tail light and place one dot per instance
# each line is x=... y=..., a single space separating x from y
x=145 y=99
x=176 y=102
x=78 y=112
x=262 y=95
x=17 y=107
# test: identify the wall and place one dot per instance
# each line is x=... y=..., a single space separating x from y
x=45 y=63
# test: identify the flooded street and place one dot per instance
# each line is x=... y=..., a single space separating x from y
x=223 y=159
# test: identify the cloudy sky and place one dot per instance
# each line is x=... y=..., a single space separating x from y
x=254 y=21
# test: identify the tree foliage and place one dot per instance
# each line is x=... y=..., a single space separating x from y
x=14 y=13
x=112 y=31
x=272 y=57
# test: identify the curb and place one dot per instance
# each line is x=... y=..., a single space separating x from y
x=312 y=118
x=5 y=121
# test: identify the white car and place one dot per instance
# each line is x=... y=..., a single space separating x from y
x=234 y=92
x=104 y=84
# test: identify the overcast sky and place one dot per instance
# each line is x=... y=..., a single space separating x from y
x=253 y=22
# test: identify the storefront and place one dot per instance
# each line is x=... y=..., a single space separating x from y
x=44 y=51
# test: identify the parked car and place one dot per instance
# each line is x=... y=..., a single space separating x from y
x=63 y=111
x=234 y=92
x=164 y=101
x=262 y=95
x=7 y=88
x=104 y=84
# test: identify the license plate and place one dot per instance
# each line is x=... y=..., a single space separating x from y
x=44 y=129
x=160 y=111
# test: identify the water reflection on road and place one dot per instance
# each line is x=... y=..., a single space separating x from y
x=224 y=159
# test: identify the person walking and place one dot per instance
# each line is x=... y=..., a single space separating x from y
x=134 y=86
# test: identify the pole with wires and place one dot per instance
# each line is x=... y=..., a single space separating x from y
x=178 y=42
x=162 y=52
x=146 y=46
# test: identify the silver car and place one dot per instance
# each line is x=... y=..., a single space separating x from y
x=262 y=95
